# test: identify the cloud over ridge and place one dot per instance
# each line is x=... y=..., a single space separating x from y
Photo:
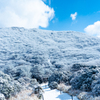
x=93 y=29
x=25 y=13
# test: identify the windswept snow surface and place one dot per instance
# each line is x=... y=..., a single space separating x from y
x=55 y=94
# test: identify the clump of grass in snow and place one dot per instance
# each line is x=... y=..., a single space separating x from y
x=24 y=95
x=62 y=87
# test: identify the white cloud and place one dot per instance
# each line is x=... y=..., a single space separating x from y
x=73 y=16
x=25 y=13
x=93 y=29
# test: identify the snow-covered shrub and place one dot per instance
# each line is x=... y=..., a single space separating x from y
x=2 y=97
x=57 y=65
x=40 y=73
x=17 y=87
x=83 y=78
x=96 y=90
x=59 y=77
x=96 y=85
x=18 y=72
x=37 y=72
x=34 y=58
x=24 y=80
x=8 y=86
x=76 y=67
x=53 y=85
x=33 y=82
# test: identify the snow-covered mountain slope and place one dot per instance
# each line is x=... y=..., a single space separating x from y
x=21 y=47
x=67 y=46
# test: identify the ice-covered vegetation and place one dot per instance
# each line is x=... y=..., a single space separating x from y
x=8 y=86
x=61 y=56
x=24 y=50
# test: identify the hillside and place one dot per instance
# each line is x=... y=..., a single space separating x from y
x=39 y=54
x=63 y=46
x=19 y=46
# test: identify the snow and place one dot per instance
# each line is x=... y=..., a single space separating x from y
x=18 y=47
x=65 y=46
x=18 y=44
x=55 y=94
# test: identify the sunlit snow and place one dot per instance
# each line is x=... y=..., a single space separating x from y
x=55 y=94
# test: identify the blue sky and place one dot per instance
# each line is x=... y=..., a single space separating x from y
x=58 y=15
x=88 y=12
